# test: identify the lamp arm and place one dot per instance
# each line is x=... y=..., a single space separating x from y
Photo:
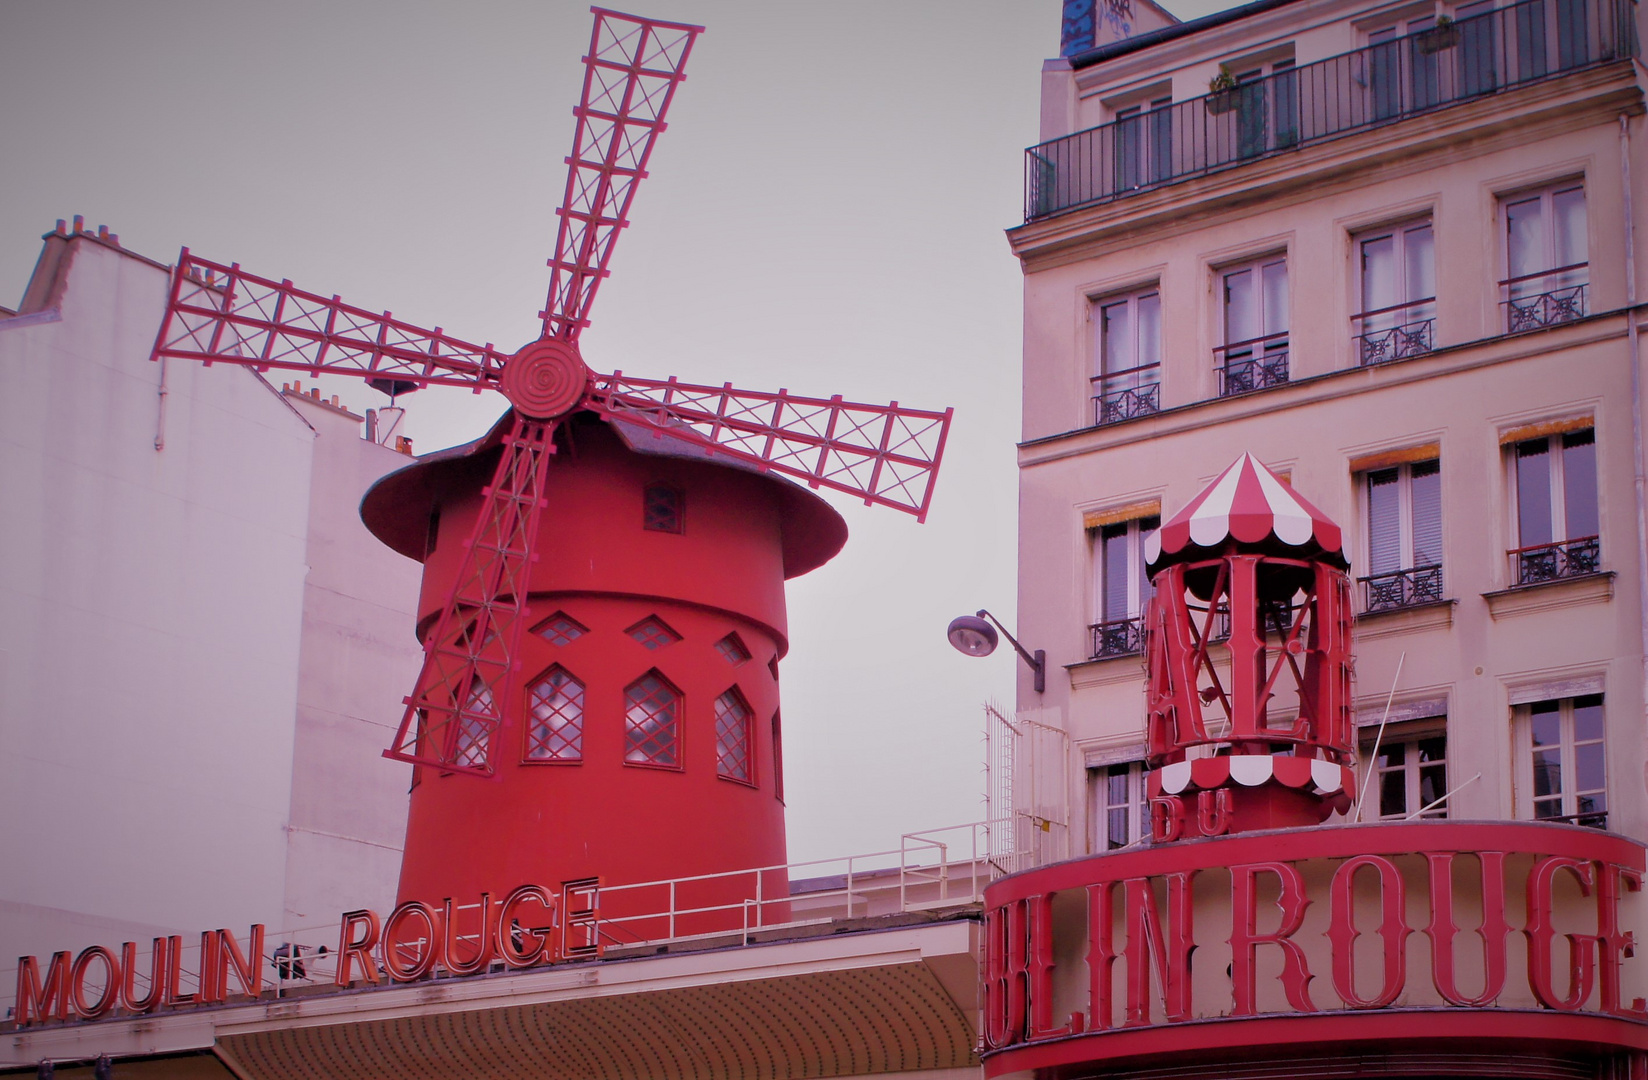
x=1037 y=661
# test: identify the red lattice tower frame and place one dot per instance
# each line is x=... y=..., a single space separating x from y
x=218 y=313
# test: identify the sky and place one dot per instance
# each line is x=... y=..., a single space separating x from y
x=824 y=214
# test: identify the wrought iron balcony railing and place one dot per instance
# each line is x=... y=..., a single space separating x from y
x=1402 y=588
x=1381 y=84
x=1117 y=637
x=1253 y=365
x=1124 y=394
x=1551 y=562
x=1395 y=333
x=1535 y=301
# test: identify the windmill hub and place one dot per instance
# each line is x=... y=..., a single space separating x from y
x=546 y=379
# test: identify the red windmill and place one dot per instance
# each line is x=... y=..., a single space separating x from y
x=565 y=541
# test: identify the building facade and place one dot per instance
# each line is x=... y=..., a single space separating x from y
x=1389 y=251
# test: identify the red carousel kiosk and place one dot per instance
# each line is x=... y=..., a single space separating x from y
x=1253 y=936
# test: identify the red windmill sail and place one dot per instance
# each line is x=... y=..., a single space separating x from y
x=218 y=313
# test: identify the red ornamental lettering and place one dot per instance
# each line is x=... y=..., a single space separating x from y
x=111 y=983
x=394 y=947
x=174 y=974
x=1101 y=955
x=1040 y=983
x=159 y=960
x=1541 y=930
x=357 y=937
x=1166 y=820
x=1146 y=948
x=1442 y=929
x=1213 y=812
x=1616 y=945
x=449 y=939
x=1245 y=938
x=523 y=945
x=1342 y=931
x=247 y=966
x=995 y=977
x=1016 y=977
x=36 y=1002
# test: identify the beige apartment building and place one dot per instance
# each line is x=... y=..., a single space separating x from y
x=1391 y=250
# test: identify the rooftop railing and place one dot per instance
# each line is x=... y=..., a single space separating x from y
x=1354 y=91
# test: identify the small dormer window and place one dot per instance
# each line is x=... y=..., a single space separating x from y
x=663 y=508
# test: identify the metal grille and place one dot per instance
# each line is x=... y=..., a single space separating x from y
x=653 y=632
x=559 y=629
x=1118 y=637
x=1535 y=311
x=1354 y=91
x=1563 y=559
x=1402 y=588
x=732 y=737
x=556 y=703
x=732 y=649
x=651 y=729
x=1396 y=343
x=1253 y=365
x=1108 y=408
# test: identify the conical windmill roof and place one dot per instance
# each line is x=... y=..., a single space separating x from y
x=1253 y=507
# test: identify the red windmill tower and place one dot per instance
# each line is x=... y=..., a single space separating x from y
x=603 y=606
x=1265 y=743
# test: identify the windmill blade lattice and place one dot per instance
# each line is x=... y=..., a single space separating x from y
x=630 y=76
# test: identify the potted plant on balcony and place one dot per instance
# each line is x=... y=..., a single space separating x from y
x=1444 y=35
x=1221 y=92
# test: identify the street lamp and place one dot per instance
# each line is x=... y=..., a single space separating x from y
x=974 y=636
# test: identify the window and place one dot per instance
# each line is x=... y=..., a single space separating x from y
x=1116 y=806
x=1120 y=587
x=1127 y=350
x=555 y=711
x=1547 y=276
x=1406 y=59
x=1255 y=354
x=732 y=649
x=1263 y=110
x=1557 y=516
x=1410 y=771
x=1404 y=541
x=652 y=711
x=1398 y=272
x=778 y=758
x=663 y=508
x=734 y=736
x=1144 y=144
x=1566 y=773
x=560 y=628
x=653 y=632
x=476 y=719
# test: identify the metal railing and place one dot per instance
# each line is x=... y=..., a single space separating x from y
x=1341 y=95
x=1560 y=301
x=1246 y=366
x=1412 y=332
x=1539 y=563
x=1111 y=403
x=1116 y=637
x=1402 y=588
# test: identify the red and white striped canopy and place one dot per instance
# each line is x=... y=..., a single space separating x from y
x=1252 y=506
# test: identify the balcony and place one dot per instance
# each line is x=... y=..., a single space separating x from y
x=1355 y=91
x=1539 y=563
x=1395 y=333
x=1118 y=637
x=1401 y=589
x=1126 y=394
x=1548 y=298
x=1258 y=364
